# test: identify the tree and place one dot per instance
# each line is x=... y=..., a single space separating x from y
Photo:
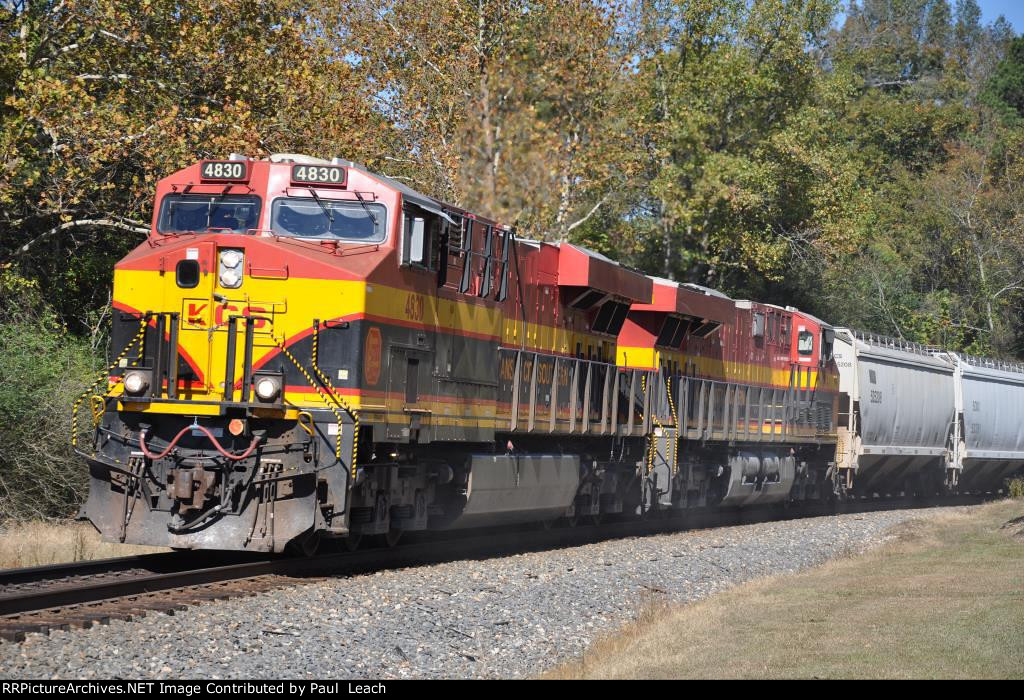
x=980 y=194
x=502 y=106
x=102 y=98
x=1005 y=90
x=719 y=87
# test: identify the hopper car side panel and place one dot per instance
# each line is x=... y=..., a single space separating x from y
x=897 y=440
x=990 y=423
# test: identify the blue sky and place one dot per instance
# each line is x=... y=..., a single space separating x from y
x=1013 y=10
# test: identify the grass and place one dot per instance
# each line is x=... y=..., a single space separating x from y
x=37 y=543
x=943 y=599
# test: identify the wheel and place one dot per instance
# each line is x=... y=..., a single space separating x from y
x=390 y=538
x=597 y=519
x=648 y=500
x=305 y=545
x=352 y=541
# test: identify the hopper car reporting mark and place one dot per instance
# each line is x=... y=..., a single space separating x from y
x=306 y=349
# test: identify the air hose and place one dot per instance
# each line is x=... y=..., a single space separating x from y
x=174 y=441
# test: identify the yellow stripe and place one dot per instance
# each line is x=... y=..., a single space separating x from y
x=721 y=370
x=296 y=301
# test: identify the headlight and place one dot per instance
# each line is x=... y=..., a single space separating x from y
x=230 y=258
x=267 y=387
x=230 y=279
x=230 y=267
x=136 y=382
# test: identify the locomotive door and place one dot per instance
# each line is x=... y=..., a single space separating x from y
x=203 y=329
x=409 y=375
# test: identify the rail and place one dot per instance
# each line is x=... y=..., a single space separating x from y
x=81 y=594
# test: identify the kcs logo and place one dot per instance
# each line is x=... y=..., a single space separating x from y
x=226 y=311
x=372 y=356
x=196 y=313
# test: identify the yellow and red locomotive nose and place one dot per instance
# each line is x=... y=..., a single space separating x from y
x=220 y=284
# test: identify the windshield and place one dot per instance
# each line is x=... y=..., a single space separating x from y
x=328 y=219
x=202 y=212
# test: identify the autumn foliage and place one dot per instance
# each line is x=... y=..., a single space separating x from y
x=865 y=167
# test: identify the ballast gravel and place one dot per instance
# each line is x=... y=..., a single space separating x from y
x=507 y=617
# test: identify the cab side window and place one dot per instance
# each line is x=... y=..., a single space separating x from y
x=419 y=233
x=805 y=343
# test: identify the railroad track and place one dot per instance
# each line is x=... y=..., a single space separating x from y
x=83 y=594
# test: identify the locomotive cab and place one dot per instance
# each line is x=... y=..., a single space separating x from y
x=232 y=405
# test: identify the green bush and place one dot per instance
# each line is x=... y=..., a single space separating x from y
x=1016 y=487
x=43 y=369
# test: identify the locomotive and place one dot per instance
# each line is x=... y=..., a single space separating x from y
x=303 y=348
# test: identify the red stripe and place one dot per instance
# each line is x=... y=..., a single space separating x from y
x=182 y=351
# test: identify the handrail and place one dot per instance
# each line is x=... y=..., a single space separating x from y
x=890 y=342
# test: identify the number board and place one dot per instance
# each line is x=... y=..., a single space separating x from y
x=324 y=175
x=225 y=170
